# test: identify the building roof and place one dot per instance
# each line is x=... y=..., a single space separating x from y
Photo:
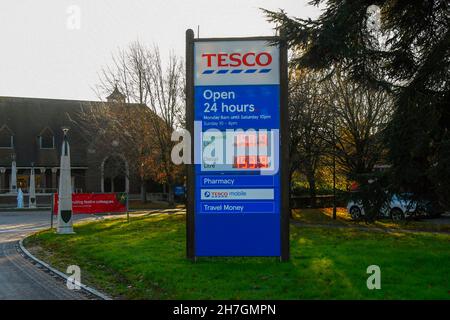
x=116 y=96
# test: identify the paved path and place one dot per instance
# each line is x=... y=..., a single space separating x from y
x=19 y=277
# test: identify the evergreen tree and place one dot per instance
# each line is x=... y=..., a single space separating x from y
x=402 y=46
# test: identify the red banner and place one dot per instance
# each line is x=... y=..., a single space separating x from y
x=95 y=203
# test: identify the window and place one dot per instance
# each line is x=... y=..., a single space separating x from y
x=6 y=138
x=47 y=139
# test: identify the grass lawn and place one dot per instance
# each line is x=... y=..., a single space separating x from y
x=324 y=216
x=137 y=205
x=145 y=259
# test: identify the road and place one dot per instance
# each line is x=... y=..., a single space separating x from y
x=20 y=279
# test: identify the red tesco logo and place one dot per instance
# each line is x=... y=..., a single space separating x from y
x=249 y=59
x=217 y=194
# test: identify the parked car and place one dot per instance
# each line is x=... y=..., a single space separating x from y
x=399 y=208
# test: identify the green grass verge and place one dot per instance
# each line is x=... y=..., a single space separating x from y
x=324 y=216
x=145 y=259
x=137 y=205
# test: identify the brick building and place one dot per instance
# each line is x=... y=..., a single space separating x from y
x=31 y=134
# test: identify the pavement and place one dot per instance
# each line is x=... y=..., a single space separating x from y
x=20 y=279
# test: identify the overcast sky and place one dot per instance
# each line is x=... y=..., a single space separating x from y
x=47 y=52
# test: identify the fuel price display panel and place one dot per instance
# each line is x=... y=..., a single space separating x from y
x=236 y=146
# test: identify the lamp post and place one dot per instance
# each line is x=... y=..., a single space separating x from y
x=65 y=189
x=2 y=179
x=13 y=174
x=334 y=163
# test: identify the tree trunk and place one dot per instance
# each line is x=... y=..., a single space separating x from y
x=143 y=192
x=171 y=198
x=312 y=189
x=291 y=214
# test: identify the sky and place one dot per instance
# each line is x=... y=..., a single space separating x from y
x=56 y=48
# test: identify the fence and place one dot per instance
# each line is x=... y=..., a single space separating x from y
x=322 y=201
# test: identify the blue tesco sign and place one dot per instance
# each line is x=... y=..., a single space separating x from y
x=237 y=179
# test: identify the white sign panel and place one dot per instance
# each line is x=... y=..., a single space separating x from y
x=237 y=194
x=236 y=63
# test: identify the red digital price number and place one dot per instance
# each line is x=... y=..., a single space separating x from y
x=251 y=139
x=251 y=162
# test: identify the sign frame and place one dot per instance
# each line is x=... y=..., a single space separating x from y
x=284 y=140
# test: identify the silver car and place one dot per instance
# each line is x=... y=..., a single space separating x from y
x=397 y=209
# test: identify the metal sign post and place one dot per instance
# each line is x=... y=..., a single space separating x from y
x=51 y=211
x=237 y=186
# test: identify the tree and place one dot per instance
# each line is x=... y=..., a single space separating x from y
x=360 y=115
x=333 y=117
x=145 y=80
x=403 y=46
x=308 y=119
x=119 y=131
x=165 y=88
